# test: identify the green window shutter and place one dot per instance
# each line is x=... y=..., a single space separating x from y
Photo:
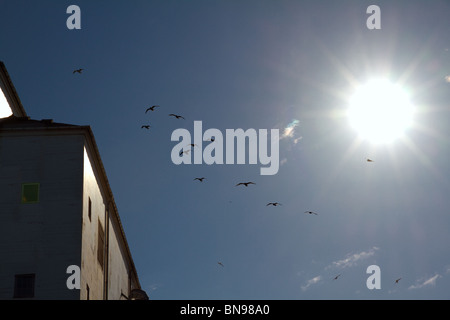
x=30 y=192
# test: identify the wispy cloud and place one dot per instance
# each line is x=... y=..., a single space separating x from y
x=152 y=287
x=352 y=259
x=290 y=131
x=427 y=282
x=311 y=282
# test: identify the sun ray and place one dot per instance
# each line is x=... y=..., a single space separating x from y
x=338 y=168
x=426 y=162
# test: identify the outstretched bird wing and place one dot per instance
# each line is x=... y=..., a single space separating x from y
x=245 y=183
x=152 y=108
x=176 y=116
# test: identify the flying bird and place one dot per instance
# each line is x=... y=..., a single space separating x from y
x=273 y=204
x=152 y=108
x=245 y=183
x=311 y=212
x=185 y=151
x=176 y=116
x=200 y=179
x=396 y=281
x=78 y=70
x=335 y=278
x=370 y=160
x=220 y=263
x=145 y=126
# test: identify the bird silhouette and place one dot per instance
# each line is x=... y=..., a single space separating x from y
x=220 y=263
x=145 y=126
x=152 y=108
x=273 y=204
x=78 y=70
x=185 y=151
x=245 y=183
x=311 y=212
x=200 y=179
x=176 y=116
x=370 y=160
x=396 y=281
x=335 y=278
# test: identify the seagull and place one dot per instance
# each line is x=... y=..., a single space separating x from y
x=336 y=277
x=145 y=126
x=176 y=116
x=274 y=204
x=220 y=263
x=311 y=212
x=78 y=70
x=185 y=151
x=370 y=160
x=152 y=108
x=200 y=179
x=396 y=281
x=245 y=183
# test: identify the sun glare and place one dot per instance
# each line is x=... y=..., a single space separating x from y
x=380 y=111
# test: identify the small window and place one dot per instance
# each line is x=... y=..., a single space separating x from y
x=24 y=285
x=90 y=209
x=100 y=244
x=30 y=192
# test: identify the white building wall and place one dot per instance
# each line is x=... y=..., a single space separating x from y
x=91 y=270
x=92 y=274
x=118 y=279
x=42 y=238
x=46 y=237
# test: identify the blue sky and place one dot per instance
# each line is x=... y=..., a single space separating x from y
x=262 y=65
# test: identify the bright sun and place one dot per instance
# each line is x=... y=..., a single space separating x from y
x=380 y=111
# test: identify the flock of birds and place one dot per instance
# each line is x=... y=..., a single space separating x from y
x=201 y=179
x=152 y=108
x=246 y=184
